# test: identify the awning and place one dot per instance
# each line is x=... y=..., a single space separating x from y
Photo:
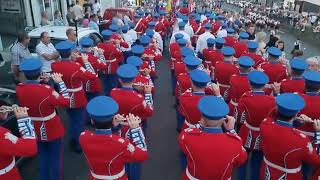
x=316 y=2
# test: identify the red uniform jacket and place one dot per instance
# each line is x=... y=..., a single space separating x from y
x=140 y=27
x=161 y=28
x=184 y=11
x=13 y=146
x=287 y=148
x=230 y=41
x=173 y=47
x=42 y=100
x=222 y=74
x=113 y=57
x=73 y=74
x=107 y=154
x=188 y=107
x=225 y=151
x=257 y=59
x=198 y=30
x=144 y=80
x=183 y=84
x=179 y=67
x=275 y=72
x=215 y=27
x=311 y=109
x=239 y=85
x=292 y=85
x=131 y=102
x=95 y=84
x=211 y=57
x=149 y=51
x=240 y=49
x=175 y=57
x=253 y=109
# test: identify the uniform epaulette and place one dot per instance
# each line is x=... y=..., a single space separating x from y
x=193 y=131
x=235 y=136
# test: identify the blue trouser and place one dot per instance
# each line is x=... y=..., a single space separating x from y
x=200 y=56
x=183 y=160
x=50 y=155
x=255 y=163
x=76 y=124
x=133 y=170
x=180 y=119
x=306 y=171
x=173 y=82
x=110 y=81
x=126 y=54
x=89 y=97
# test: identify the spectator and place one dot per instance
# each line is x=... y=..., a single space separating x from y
x=96 y=7
x=272 y=40
x=126 y=19
x=296 y=53
x=44 y=19
x=251 y=32
x=86 y=20
x=58 y=21
x=46 y=51
x=118 y=20
x=261 y=40
x=19 y=52
x=280 y=45
x=313 y=64
x=72 y=35
x=93 y=24
x=78 y=12
x=70 y=16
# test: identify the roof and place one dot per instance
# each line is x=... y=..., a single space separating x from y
x=59 y=32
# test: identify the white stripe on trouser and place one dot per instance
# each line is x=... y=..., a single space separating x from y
x=289 y=171
x=189 y=175
x=105 y=177
x=8 y=168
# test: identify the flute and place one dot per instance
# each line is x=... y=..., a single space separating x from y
x=5 y=109
x=48 y=75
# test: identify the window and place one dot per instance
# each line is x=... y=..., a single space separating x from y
x=96 y=38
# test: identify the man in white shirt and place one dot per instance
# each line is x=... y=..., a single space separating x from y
x=77 y=11
x=202 y=40
x=132 y=32
x=128 y=39
x=46 y=51
x=181 y=31
x=95 y=7
x=188 y=29
x=222 y=33
x=158 y=37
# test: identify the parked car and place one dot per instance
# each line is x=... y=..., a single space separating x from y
x=58 y=33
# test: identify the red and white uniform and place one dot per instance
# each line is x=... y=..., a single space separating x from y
x=292 y=85
x=230 y=41
x=12 y=146
x=113 y=57
x=160 y=28
x=239 y=85
x=215 y=27
x=276 y=72
x=198 y=30
x=240 y=48
x=284 y=151
x=107 y=155
x=140 y=27
x=95 y=84
x=183 y=84
x=73 y=74
x=222 y=74
x=258 y=59
x=311 y=109
x=188 y=107
x=211 y=56
x=131 y=102
x=253 y=108
x=211 y=155
x=184 y=11
x=144 y=81
x=42 y=103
